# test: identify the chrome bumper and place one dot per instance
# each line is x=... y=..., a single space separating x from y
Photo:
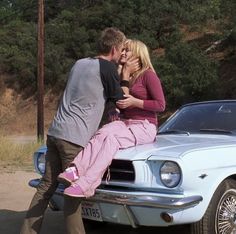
x=136 y=198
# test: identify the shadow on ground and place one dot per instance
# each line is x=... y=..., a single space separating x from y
x=11 y=222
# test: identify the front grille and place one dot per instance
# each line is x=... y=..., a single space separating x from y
x=120 y=170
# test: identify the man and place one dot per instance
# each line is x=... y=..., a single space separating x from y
x=91 y=83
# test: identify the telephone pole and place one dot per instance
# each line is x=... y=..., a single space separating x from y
x=40 y=72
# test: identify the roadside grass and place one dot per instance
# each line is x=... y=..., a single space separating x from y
x=17 y=155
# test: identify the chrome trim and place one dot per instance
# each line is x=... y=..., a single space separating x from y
x=137 y=199
x=132 y=220
x=145 y=200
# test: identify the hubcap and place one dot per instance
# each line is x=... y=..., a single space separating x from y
x=226 y=214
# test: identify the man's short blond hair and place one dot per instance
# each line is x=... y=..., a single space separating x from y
x=110 y=37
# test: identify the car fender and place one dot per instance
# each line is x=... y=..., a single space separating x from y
x=204 y=183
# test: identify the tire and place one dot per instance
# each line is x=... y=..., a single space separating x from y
x=220 y=216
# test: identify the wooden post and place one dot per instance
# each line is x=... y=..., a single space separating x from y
x=40 y=72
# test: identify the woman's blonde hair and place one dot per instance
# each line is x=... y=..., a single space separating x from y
x=140 y=50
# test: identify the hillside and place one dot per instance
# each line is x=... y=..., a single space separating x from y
x=192 y=45
x=18 y=116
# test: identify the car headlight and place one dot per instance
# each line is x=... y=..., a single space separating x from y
x=40 y=162
x=170 y=174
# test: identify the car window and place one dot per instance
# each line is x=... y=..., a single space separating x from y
x=194 y=118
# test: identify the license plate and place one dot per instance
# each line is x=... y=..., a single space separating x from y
x=91 y=211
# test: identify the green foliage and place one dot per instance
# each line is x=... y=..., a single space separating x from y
x=187 y=75
x=18 y=53
x=72 y=28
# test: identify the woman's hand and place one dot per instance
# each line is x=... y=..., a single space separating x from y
x=130 y=101
x=132 y=65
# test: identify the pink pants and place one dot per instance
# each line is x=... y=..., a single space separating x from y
x=93 y=161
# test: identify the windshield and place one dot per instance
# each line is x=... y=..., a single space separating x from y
x=208 y=117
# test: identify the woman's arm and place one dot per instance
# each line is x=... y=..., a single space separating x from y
x=154 y=89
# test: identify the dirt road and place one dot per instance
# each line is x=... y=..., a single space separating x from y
x=15 y=195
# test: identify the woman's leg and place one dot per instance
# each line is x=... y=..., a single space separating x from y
x=88 y=155
x=93 y=161
x=143 y=131
x=109 y=132
x=103 y=147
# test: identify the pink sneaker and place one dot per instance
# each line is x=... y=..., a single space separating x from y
x=74 y=191
x=68 y=176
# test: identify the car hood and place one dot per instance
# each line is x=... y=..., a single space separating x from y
x=176 y=146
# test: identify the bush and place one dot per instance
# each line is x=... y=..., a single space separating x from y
x=18 y=48
x=187 y=75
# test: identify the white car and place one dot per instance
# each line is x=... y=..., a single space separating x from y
x=187 y=176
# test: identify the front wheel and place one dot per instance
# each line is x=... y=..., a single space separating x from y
x=220 y=216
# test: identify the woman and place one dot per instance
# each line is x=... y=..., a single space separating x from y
x=137 y=126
